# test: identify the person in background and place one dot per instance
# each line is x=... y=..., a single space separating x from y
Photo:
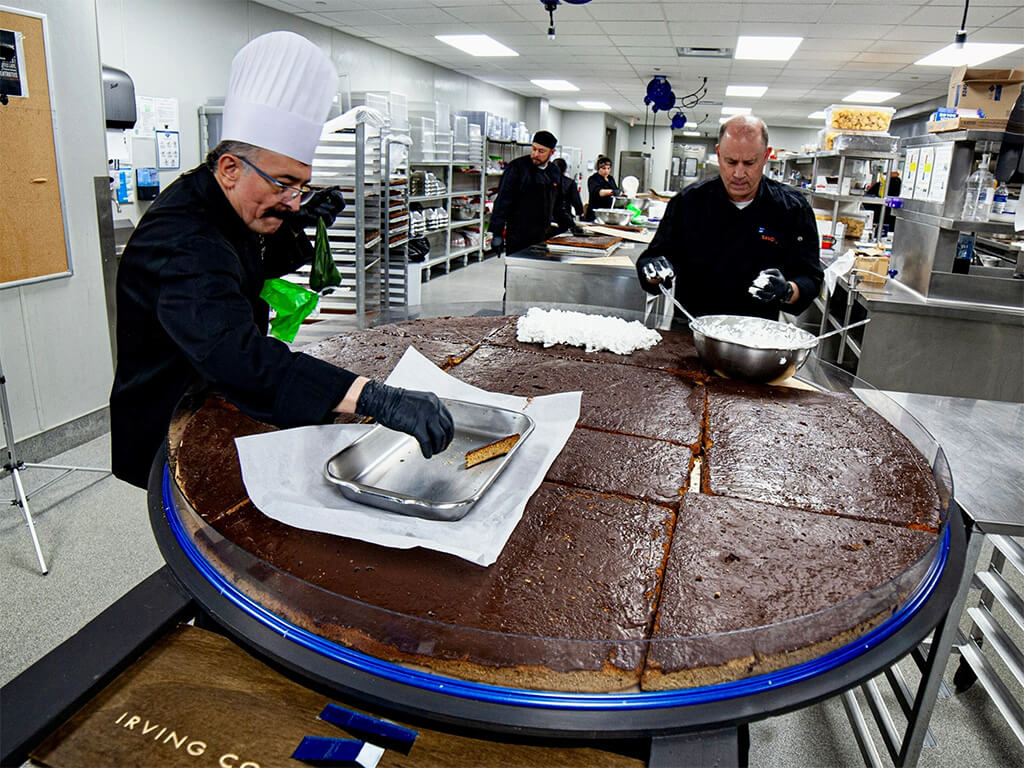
x=601 y=187
x=570 y=191
x=189 y=312
x=529 y=199
x=739 y=244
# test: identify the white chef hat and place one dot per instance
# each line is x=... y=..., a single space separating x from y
x=279 y=95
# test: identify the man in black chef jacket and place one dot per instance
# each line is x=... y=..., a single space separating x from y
x=529 y=199
x=739 y=244
x=189 y=315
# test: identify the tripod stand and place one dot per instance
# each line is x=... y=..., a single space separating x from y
x=15 y=466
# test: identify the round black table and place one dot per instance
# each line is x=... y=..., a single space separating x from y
x=675 y=725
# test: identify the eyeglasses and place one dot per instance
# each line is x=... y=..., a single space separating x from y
x=303 y=193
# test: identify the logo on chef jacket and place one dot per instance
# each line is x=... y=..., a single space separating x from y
x=168 y=740
x=767 y=236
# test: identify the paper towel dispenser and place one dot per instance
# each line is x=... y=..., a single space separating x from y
x=118 y=98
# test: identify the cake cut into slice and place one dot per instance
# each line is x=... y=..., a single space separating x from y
x=491 y=450
x=750 y=588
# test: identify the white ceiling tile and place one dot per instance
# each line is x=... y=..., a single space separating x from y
x=691 y=12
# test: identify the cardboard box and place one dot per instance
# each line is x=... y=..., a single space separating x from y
x=964 y=123
x=993 y=91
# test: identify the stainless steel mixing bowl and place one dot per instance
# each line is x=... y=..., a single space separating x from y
x=744 y=347
x=616 y=216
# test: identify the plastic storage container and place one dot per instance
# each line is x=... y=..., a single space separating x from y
x=851 y=117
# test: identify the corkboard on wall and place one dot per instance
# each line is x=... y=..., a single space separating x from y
x=32 y=242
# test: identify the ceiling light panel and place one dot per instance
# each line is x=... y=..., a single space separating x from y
x=594 y=105
x=970 y=54
x=871 y=97
x=735 y=110
x=477 y=45
x=555 y=85
x=749 y=91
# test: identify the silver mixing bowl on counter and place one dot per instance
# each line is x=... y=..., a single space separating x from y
x=751 y=347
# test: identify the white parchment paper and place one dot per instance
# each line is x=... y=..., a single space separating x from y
x=283 y=473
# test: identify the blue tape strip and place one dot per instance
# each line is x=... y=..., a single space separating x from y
x=376 y=731
x=324 y=749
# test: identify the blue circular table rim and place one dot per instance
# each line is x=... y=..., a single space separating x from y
x=550 y=713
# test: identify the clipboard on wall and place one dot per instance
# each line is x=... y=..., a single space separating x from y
x=32 y=227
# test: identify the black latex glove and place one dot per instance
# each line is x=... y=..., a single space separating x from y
x=497 y=244
x=654 y=271
x=777 y=288
x=420 y=414
x=325 y=204
x=618 y=193
x=576 y=230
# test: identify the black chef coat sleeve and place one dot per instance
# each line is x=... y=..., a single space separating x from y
x=202 y=306
x=286 y=250
x=806 y=260
x=509 y=187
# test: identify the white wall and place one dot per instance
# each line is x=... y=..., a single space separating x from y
x=54 y=342
x=183 y=49
x=791 y=139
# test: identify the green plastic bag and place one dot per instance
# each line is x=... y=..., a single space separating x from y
x=635 y=218
x=324 y=273
x=292 y=304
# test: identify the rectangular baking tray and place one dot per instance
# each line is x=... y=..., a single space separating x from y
x=385 y=469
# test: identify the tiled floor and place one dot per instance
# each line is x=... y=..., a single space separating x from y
x=95 y=533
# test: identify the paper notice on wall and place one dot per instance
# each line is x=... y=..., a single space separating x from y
x=13 y=79
x=924 y=173
x=156 y=113
x=940 y=172
x=910 y=180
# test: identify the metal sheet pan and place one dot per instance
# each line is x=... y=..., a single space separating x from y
x=385 y=468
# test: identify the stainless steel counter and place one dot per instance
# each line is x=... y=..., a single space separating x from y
x=938 y=346
x=537 y=275
x=984 y=443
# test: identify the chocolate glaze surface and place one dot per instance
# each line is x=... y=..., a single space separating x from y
x=737 y=565
x=821 y=451
x=653 y=470
x=579 y=566
x=618 y=398
x=576 y=587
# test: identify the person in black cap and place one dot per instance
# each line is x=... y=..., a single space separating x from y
x=529 y=198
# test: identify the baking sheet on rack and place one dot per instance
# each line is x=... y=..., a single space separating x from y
x=283 y=473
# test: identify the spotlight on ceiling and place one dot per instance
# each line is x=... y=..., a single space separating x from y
x=550 y=6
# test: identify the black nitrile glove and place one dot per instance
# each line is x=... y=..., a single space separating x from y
x=497 y=244
x=618 y=193
x=325 y=204
x=576 y=229
x=771 y=285
x=654 y=271
x=420 y=414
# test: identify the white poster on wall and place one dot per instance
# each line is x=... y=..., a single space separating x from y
x=924 y=173
x=156 y=113
x=13 y=79
x=940 y=172
x=913 y=159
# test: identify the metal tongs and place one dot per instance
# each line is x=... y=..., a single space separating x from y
x=658 y=276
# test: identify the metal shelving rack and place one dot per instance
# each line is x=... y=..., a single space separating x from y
x=834 y=163
x=461 y=179
x=394 y=287
x=352 y=159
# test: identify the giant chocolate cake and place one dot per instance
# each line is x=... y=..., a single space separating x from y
x=693 y=531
